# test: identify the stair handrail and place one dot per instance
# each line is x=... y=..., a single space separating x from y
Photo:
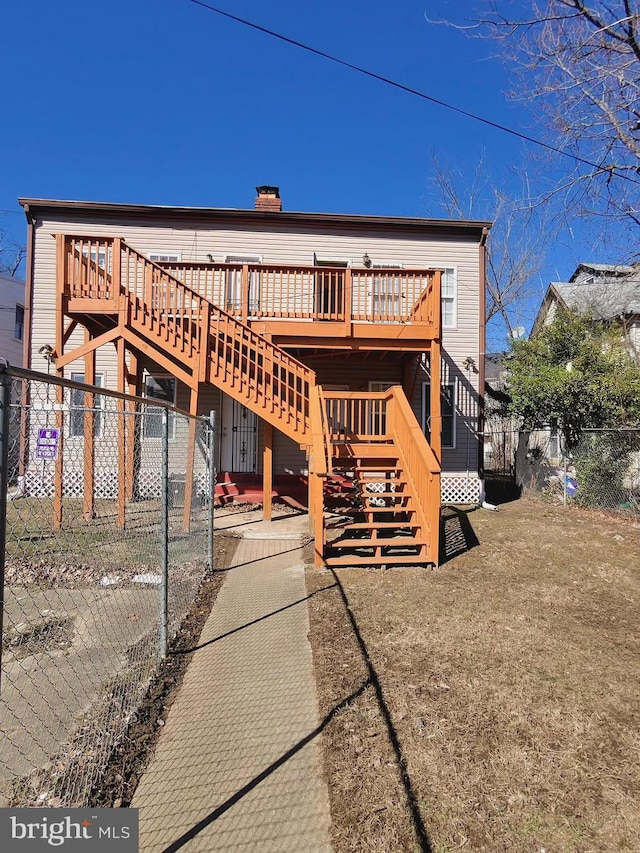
x=320 y=432
x=419 y=464
x=294 y=379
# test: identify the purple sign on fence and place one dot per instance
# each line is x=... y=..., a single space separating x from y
x=47 y=444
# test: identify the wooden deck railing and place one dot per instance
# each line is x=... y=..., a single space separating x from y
x=88 y=264
x=357 y=416
x=267 y=291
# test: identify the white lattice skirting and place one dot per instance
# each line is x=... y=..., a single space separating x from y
x=40 y=484
x=460 y=490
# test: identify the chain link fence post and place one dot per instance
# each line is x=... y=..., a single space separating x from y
x=5 y=416
x=164 y=537
x=212 y=486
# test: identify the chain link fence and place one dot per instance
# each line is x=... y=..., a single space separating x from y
x=106 y=526
x=601 y=471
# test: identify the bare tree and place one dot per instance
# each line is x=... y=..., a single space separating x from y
x=579 y=63
x=515 y=248
x=11 y=254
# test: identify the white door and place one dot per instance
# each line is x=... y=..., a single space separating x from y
x=239 y=444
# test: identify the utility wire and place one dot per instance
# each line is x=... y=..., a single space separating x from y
x=411 y=91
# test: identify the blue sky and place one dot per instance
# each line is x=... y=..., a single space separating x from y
x=164 y=102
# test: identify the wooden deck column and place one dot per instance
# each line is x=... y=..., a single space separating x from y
x=133 y=388
x=316 y=515
x=89 y=460
x=267 y=472
x=122 y=436
x=58 y=487
x=435 y=410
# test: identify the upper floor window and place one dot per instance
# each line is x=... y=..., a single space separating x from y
x=159 y=388
x=18 y=332
x=78 y=408
x=164 y=257
x=449 y=292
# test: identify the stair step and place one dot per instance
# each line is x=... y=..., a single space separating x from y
x=405 y=560
x=377 y=469
x=357 y=450
x=396 y=542
x=381 y=525
x=385 y=509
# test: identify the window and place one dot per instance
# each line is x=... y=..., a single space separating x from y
x=233 y=283
x=18 y=332
x=386 y=291
x=159 y=388
x=99 y=255
x=448 y=411
x=78 y=408
x=448 y=294
x=164 y=257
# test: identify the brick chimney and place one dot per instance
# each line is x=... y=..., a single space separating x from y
x=268 y=198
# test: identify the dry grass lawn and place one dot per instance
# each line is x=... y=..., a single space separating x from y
x=494 y=702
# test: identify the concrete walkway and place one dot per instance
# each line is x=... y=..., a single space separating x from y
x=237 y=766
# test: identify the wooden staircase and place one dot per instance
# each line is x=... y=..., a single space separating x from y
x=372 y=440
x=388 y=479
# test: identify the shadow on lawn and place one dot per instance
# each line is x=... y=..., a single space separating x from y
x=457 y=535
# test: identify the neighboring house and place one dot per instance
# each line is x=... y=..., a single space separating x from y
x=12 y=319
x=611 y=292
x=500 y=430
x=316 y=338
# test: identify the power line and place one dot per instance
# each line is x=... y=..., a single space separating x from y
x=410 y=90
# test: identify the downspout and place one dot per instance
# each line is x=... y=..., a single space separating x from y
x=25 y=403
x=26 y=355
x=482 y=344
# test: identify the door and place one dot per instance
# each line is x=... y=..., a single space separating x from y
x=239 y=443
x=330 y=291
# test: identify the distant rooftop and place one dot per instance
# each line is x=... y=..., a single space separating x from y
x=609 y=291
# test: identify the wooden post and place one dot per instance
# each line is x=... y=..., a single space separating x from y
x=88 y=501
x=122 y=437
x=58 y=490
x=435 y=410
x=191 y=452
x=59 y=350
x=348 y=302
x=133 y=388
x=267 y=471
x=316 y=516
x=245 y=294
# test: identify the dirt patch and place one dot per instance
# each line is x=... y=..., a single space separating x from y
x=495 y=700
x=53 y=633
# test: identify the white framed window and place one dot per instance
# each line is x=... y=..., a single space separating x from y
x=329 y=261
x=98 y=256
x=18 y=330
x=233 y=283
x=165 y=257
x=163 y=388
x=449 y=295
x=447 y=410
x=77 y=408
